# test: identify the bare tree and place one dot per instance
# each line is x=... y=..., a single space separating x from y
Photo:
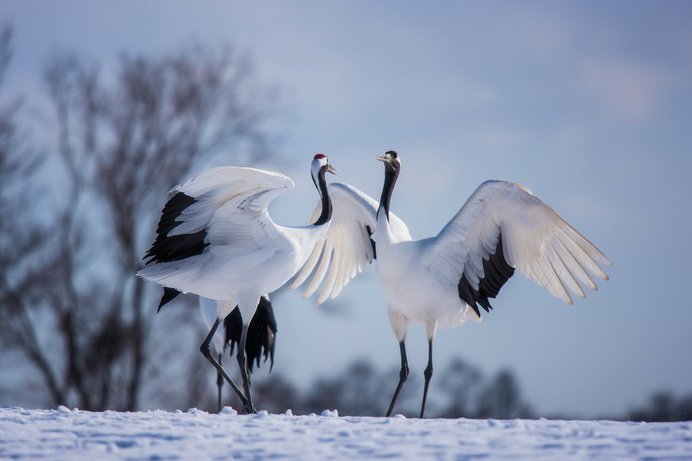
x=276 y=393
x=122 y=141
x=502 y=399
x=663 y=406
x=464 y=392
x=19 y=239
x=460 y=384
x=355 y=391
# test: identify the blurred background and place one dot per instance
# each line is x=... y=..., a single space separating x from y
x=106 y=106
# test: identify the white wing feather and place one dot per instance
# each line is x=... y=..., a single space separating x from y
x=231 y=203
x=346 y=248
x=536 y=240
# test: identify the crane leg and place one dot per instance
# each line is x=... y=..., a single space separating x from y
x=403 y=374
x=219 y=383
x=204 y=348
x=428 y=374
x=248 y=407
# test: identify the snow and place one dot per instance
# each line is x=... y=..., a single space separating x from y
x=73 y=434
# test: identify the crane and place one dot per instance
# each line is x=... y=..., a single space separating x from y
x=215 y=238
x=441 y=281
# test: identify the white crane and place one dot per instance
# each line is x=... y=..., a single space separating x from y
x=216 y=239
x=440 y=281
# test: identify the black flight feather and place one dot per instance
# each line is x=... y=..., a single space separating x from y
x=496 y=273
x=175 y=247
x=372 y=242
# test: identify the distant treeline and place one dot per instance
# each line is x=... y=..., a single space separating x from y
x=460 y=390
x=663 y=406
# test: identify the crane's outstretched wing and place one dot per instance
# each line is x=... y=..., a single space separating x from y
x=349 y=243
x=224 y=207
x=503 y=227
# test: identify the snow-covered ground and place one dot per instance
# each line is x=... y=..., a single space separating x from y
x=73 y=434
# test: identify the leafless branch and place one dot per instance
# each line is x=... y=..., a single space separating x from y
x=122 y=143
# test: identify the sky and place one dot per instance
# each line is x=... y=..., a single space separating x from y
x=588 y=104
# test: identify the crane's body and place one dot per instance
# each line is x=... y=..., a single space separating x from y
x=412 y=292
x=245 y=254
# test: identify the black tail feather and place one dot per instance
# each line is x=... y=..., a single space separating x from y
x=261 y=333
x=168 y=295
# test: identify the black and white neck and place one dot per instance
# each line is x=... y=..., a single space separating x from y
x=392 y=164
x=320 y=166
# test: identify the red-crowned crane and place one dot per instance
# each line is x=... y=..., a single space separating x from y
x=440 y=281
x=215 y=238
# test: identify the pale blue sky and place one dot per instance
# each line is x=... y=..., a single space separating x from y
x=589 y=104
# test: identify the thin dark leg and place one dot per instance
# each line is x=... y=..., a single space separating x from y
x=204 y=348
x=428 y=374
x=403 y=374
x=219 y=383
x=248 y=407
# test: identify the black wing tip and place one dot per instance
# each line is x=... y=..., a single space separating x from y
x=475 y=309
x=496 y=272
x=176 y=247
x=372 y=242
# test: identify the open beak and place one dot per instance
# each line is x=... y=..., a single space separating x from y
x=331 y=169
x=383 y=158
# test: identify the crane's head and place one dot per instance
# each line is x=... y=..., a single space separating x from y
x=391 y=160
x=320 y=165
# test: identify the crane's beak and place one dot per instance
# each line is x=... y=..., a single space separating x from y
x=383 y=158
x=331 y=169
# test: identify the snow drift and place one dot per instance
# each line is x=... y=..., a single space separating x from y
x=73 y=434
